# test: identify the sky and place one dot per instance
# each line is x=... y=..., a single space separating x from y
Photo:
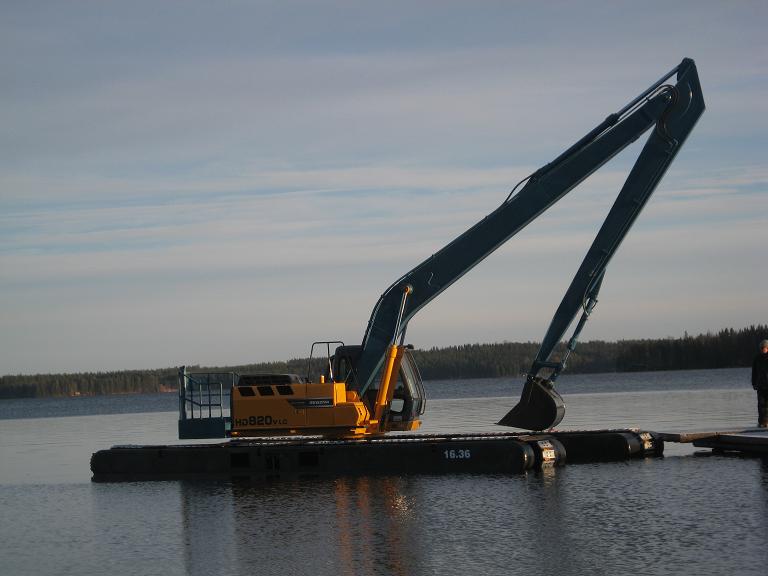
x=220 y=183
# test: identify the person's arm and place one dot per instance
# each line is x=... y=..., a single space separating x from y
x=755 y=374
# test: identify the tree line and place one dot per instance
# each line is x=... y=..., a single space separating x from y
x=725 y=349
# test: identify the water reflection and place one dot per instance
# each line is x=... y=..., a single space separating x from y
x=598 y=519
x=373 y=520
x=764 y=484
x=207 y=521
x=379 y=525
x=344 y=526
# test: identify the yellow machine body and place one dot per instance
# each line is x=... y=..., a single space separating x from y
x=283 y=404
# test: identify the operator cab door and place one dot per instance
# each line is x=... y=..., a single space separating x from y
x=408 y=400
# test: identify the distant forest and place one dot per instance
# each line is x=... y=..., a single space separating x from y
x=725 y=349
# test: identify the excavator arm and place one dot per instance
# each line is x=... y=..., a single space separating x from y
x=671 y=111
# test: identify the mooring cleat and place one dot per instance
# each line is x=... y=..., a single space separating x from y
x=540 y=407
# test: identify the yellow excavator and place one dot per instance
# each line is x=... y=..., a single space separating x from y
x=374 y=387
x=278 y=404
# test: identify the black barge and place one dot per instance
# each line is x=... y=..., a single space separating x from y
x=292 y=457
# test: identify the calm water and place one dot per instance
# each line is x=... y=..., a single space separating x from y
x=689 y=512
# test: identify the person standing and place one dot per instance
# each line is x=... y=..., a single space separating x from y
x=760 y=383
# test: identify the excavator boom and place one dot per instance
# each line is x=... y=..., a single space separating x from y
x=671 y=110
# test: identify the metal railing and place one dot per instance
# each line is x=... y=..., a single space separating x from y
x=205 y=394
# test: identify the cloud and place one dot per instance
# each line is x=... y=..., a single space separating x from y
x=216 y=185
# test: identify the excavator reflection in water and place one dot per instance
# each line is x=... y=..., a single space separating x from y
x=375 y=387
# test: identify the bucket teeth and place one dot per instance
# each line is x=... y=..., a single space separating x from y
x=540 y=407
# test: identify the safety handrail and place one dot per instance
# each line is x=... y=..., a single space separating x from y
x=204 y=390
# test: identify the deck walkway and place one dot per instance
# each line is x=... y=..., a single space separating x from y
x=748 y=441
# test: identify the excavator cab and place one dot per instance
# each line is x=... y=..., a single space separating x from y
x=409 y=400
x=404 y=398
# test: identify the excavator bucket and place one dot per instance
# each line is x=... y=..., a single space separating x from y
x=540 y=407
